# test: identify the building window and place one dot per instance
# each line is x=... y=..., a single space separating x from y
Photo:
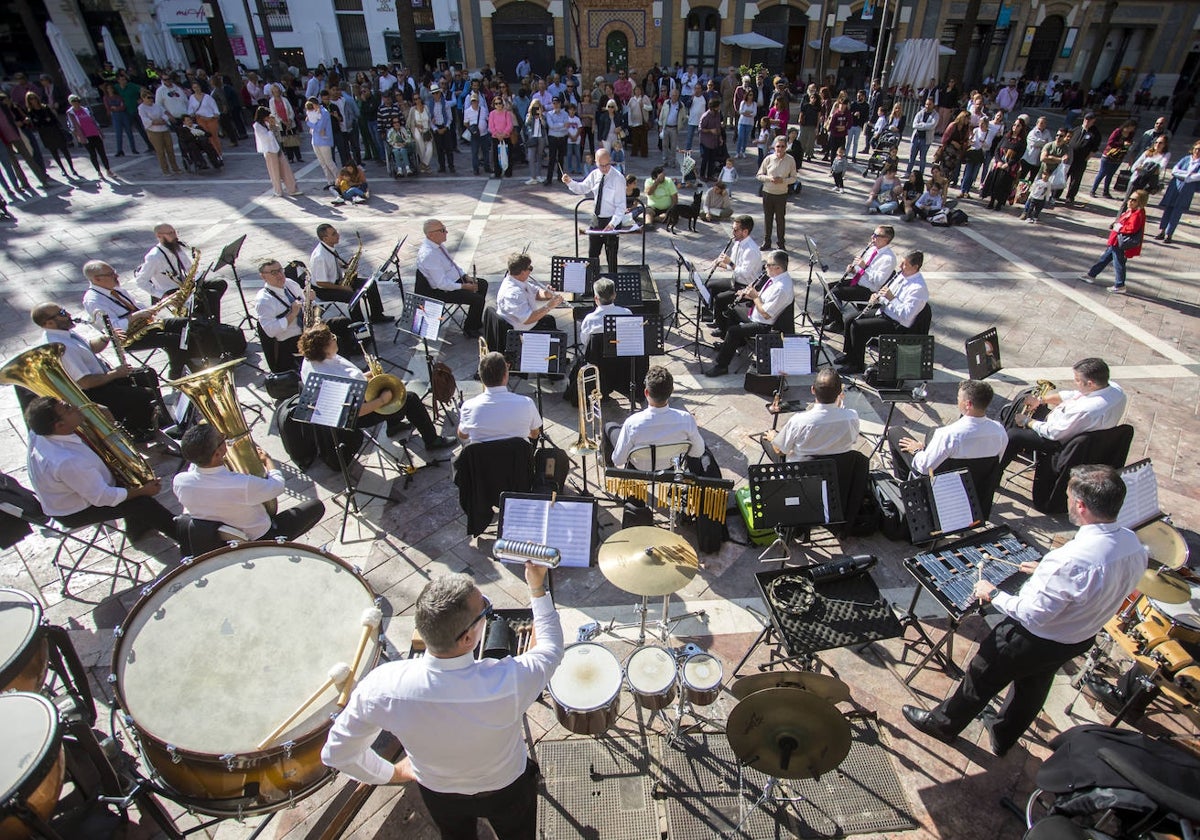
x=703 y=28
x=279 y=18
x=616 y=51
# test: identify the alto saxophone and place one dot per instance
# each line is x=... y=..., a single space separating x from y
x=350 y=275
x=136 y=332
x=187 y=287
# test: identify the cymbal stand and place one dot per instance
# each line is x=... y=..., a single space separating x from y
x=768 y=795
x=664 y=627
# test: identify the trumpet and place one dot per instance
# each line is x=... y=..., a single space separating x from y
x=591 y=417
x=1025 y=412
x=378 y=382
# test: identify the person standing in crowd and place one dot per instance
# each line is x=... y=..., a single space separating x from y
x=1124 y=241
x=266 y=142
x=49 y=131
x=156 y=121
x=320 y=130
x=119 y=114
x=285 y=118
x=1185 y=178
x=776 y=173
x=1084 y=142
x=204 y=109
x=1115 y=149
x=86 y=131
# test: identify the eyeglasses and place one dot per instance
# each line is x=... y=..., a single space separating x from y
x=876 y=234
x=487 y=613
x=439 y=230
x=62 y=313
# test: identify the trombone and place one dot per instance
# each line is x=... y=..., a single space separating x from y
x=591 y=420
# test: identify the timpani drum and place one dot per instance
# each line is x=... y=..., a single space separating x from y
x=1165 y=544
x=586 y=688
x=24 y=648
x=222 y=651
x=32 y=764
x=651 y=672
x=702 y=678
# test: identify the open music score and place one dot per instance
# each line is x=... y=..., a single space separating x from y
x=574 y=275
x=630 y=338
x=535 y=352
x=633 y=335
x=941 y=504
x=330 y=401
x=422 y=317
x=568 y=525
x=951 y=573
x=1141 y=495
x=785 y=355
x=951 y=504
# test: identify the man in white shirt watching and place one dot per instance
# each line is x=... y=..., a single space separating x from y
x=656 y=424
x=607 y=186
x=1096 y=404
x=524 y=302
x=210 y=490
x=825 y=429
x=1054 y=617
x=971 y=436
x=461 y=720
x=448 y=282
x=497 y=413
x=766 y=305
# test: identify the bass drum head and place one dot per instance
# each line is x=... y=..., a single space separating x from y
x=31 y=769
x=588 y=678
x=225 y=649
x=20 y=618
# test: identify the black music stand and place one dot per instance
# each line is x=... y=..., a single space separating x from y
x=936 y=505
x=393 y=259
x=229 y=255
x=902 y=359
x=770 y=357
x=635 y=337
x=616 y=232
x=703 y=298
x=814 y=262
x=794 y=495
x=575 y=276
x=422 y=318
x=540 y=352
x=332 y=403
x=983 y=354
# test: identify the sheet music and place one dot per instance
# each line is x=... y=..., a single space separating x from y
x=185 y=332
x=575 y=277
x=631 y=336
x=777 y=361
x=1141 y=496
x=705 y=294
x=950 y=502
x=331 y=401
x=825 y=499
x=535 y=352
x=428 y=319
x=564 y=525
x=795 y=357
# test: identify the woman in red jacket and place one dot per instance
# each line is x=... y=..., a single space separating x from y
x=1124 y=241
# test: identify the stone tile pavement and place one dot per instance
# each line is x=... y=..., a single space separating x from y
x=996 y=271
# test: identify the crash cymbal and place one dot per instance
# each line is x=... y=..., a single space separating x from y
x=788 y=733
x=648 y=561
x=822 y=685
x=1164 y=586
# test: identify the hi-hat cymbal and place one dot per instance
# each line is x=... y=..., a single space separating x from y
x=822 y=685
x=788 y=733
x=1164 y=586
x=648 y=561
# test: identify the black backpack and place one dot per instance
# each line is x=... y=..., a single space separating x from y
x=299 y=439
x=886 y=491
x=550 y=468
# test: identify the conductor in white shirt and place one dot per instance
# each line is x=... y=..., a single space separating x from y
x=1054 y=617
x=825 y=429
x=973 y=435
x=461 y=719
x=607 y=187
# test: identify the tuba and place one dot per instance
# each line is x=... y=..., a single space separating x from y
x=212 y=392
x=40 y=370
x=350 y=275
x=378 y=381
x=591 y=418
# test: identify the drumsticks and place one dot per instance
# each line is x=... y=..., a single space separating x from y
x=338 y=674
x=371 y=619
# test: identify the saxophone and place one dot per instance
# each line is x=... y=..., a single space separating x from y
x=350 y=275
x=136 y=332
x=187 y=286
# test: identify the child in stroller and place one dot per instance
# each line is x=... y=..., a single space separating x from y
x=195 y=146
x=886 y=144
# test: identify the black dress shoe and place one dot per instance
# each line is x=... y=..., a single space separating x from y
x=382 y=319
x=718 y=345
x=928 y=723
x=998 y=749
x=841 y=359
x=716 y=370
x=438 y=442
x=718 y=333
x=472 y=333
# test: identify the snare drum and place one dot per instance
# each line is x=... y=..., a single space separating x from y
x=222 y=651
x=24 y=649
x=31 y=761
x=1166 y=545
x=586 y=688
x=702 y=678
x=651 y=672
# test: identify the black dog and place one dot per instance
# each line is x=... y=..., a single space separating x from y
x=691 y=212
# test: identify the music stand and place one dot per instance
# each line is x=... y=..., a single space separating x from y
x=357 y=300
x=332 y=403
x=814 y=262
x=229 y=255
x=902 y=359
x=422 y=318
x=983 y=354
x=703 y=298
x=575 y=276
x=635 y=337
x=542 y=353
x=936 y=505
x=794 y=495
x=394 y=259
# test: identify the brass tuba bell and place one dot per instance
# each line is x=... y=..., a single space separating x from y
x=40 y=370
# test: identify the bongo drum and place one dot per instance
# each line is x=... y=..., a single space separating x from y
x=32 y=768
x=651 y=672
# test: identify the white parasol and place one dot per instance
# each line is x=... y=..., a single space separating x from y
x=110 y=49
x=72 y=70
x=173 y=51
x=152 y=44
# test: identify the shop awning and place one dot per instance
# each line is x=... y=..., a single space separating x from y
x=195 y=28
x=751 y=41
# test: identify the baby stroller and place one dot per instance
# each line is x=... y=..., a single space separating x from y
x=196 y=149
x=884 y=148
x=1114 y=784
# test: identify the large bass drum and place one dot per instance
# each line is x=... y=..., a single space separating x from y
x=220 y=652
x=24 y=649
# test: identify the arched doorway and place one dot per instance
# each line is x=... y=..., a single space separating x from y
x=1044 y=48
x=787 y=25
x=616 y=51
x=702 y=30
x=523 y=30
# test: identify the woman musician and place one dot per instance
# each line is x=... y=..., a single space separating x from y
x=864 y=276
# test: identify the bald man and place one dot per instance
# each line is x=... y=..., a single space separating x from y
x=607 y=187
x=167 y=263
x=447 y=281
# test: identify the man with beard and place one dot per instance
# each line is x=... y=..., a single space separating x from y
x=167 y=263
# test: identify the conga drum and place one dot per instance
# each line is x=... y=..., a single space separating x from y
x=31 y=761
x=222 y=651
x=24 y=648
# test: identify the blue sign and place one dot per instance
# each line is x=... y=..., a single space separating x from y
x=1005 y=17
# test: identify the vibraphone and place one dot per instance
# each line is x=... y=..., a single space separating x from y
x=691 y=494
x=950 y=575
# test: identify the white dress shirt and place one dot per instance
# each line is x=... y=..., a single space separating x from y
x=966 y=437
x=222 y=495
x=594 y=322
x=439 y=268
x=911 y=296
x=824 y=429
x=162 y=270
x=613 y=201
x=271 y=307
x=881 y=264
x=338 y=365
x=460 y=719
x=516 y=302
x=497 y=414
x=325 y=264
x=78 y=360
x=1078 y=413
x=1078 y=587
x=657 y=425
x=775 y=296
x=108 y=301
x=68 y=476
x=747 y=261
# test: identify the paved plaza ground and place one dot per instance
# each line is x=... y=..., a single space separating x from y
x=997 y=271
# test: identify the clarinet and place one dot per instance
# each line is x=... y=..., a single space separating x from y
x=875 y=307
x=758 y=285
x=717 y=261
x=849 y=272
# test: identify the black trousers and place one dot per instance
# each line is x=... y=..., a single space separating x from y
x=832 y=314
x=129 y=402
x=342 y=295
x=1075 y=178
x=1026 y=440
x=1010 y=654
x=443 y=144
x=774 y=210
x=902 y=461
x=202 y=344
x=141 y=514
x=414 y=412
x=295 y=521
x=343 y=147
x=556 y=157
x=861 y=330
x=608 y=243
x=739 y=335
x=474 y=301
x=512 y=810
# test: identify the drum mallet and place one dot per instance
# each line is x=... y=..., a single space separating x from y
x=339 y=674
x=372 y=617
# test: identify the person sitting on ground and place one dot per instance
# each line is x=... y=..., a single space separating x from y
x=351 y=185
x=716 y=203
x=661 y=195
x=930 y=202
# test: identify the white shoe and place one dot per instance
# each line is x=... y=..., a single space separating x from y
x=358 y=199
x=532 y=182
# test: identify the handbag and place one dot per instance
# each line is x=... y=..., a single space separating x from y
x=1128 y=241
x=502 y=155
x=1123 y=180
x=289 y=139
x=974 y=156
x=1058 y=178
x=428 y=135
